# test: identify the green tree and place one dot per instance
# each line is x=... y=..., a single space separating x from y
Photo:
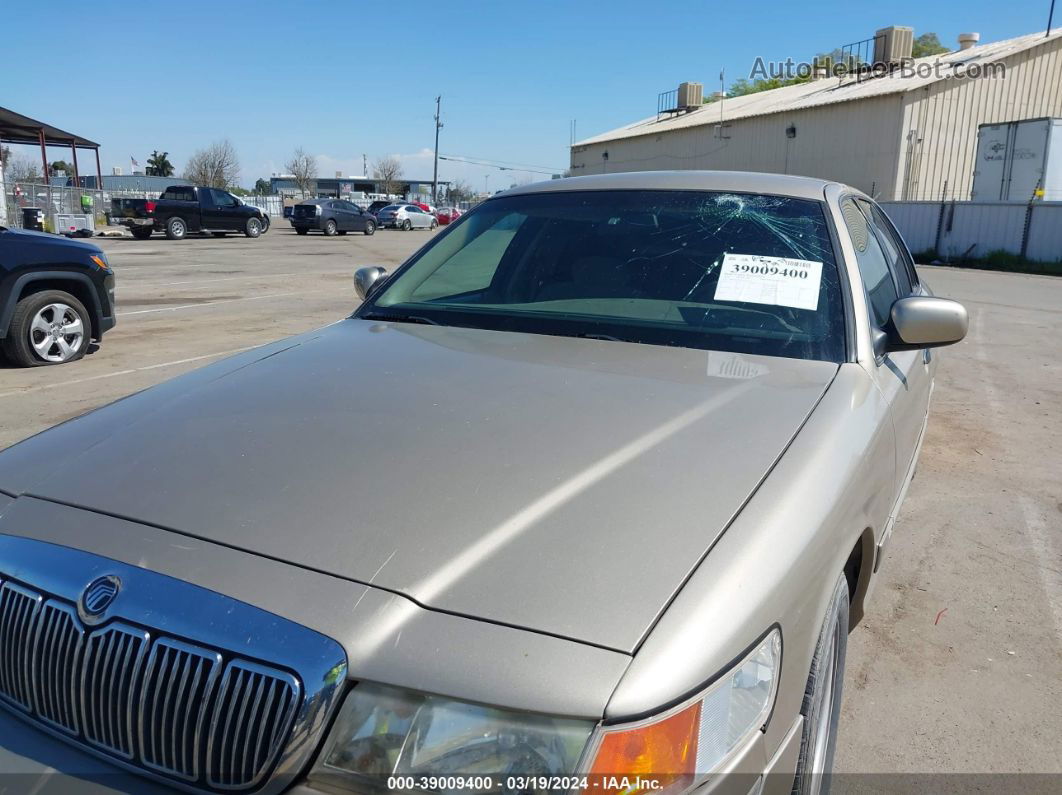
x=60 y=165
x=159 y=165
x=263 y=187
x=927 y=44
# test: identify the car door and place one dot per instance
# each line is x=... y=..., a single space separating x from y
x=358 y=218
x=209 y=210
x=350 y=214
x=420 y=218
x=904 y=377
x=223 y=213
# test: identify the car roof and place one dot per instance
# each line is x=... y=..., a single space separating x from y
x=735 y=181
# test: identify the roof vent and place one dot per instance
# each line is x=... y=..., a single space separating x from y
x=968 y=40
x=893 y=45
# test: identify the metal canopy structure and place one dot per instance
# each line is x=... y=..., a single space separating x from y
x=18 y=129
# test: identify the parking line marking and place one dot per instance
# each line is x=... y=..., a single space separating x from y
x=215 y=303
x=28 y=390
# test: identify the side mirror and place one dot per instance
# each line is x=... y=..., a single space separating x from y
x=926 y=322
x=366 y=280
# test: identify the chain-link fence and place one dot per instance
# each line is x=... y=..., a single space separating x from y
x=55 y=200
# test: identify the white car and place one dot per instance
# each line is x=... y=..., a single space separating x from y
x=406 y=217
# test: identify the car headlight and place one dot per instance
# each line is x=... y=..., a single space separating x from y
x=682 y=746
x=387 y=738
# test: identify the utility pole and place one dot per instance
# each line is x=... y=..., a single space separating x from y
x=364 y=166
x=435 y=174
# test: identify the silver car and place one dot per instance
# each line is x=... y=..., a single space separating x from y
x=587 y=495
x=406 y=217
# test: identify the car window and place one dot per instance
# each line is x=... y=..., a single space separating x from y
x=179 y=194
x=221 y=198
x=719 y=271
x=902 y=266
x=873 y=264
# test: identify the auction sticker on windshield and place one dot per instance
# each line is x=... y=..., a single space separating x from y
x=780 y=281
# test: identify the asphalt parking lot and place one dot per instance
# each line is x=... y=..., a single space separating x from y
x=183 y=304
x=958 y=665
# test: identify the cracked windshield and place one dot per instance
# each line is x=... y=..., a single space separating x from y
x=719 y=271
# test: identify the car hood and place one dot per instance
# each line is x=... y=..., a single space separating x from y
x=28 y=237
x=562 y=485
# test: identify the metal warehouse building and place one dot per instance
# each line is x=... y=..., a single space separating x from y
x=904 y=132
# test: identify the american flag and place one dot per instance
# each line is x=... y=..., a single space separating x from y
x=135 y=164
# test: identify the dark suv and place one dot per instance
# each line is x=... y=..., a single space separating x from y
x=331 y=216
x=56 y=296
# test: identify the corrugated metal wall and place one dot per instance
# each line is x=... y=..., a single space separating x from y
x=939 y=130
x=853 y=142
x=975 y=229
x=915 y=145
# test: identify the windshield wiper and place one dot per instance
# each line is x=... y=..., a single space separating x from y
x=593 y=335
x=400 y=318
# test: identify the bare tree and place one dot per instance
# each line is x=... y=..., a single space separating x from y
x=19 y=168
x=216 y=166
x=459 y=191
x=387 y=171
x=303 y=166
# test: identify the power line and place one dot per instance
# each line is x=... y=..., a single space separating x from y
x=501 y=164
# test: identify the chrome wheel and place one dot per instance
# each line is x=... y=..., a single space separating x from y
x=822 y=698
x=822 y=731
x=56 y=333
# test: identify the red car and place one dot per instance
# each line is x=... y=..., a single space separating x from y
x=448 y=215
x=425 y=207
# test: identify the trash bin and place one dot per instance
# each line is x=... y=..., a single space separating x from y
x=33 y=218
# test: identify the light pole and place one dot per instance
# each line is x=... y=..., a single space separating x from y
x=435 y=174
x=486 y=179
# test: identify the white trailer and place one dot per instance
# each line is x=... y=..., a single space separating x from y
x=1019 y=161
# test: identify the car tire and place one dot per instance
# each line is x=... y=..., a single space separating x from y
x=141 y=232
x=266 y=223
x=253 y=227
x=407 y=225
x=26 y=337
x=330 y=228
x=301 y=231
x=370 y=228
x=434 y=226
x=176 y=228
x=821 y=707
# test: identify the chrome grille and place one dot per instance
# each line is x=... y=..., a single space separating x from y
x=254 y=696
x=18 y=615
x=177 y=684
x=55 y=660
x=112 y=661
x=170 y=707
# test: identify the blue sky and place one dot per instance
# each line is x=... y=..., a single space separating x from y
x=346 y=78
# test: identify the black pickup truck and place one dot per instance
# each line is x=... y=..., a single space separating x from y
x=183 y=208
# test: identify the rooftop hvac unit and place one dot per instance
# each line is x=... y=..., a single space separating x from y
x=690 y=95
x=894 y=44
